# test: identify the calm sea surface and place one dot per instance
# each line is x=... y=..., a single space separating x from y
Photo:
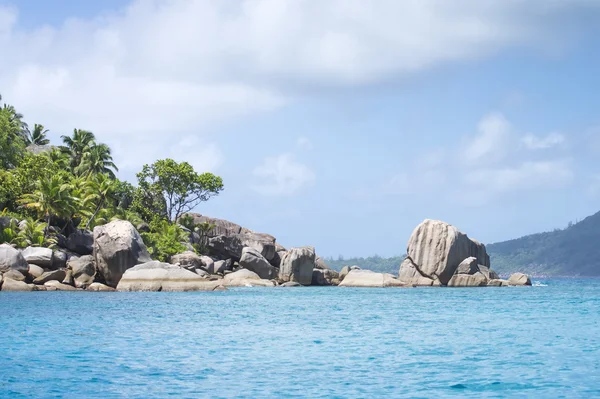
x=539 y=342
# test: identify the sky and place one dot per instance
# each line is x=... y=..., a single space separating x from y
x=340 y=124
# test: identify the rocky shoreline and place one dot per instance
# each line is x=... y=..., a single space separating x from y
x=113 y=257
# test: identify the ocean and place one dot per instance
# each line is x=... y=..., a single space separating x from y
x=313 y=342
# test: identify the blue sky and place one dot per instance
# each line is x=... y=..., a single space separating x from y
x=339 y=124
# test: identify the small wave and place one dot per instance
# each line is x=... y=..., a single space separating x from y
x=538 y=284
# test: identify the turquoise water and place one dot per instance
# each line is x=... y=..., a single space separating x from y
x=310 y=342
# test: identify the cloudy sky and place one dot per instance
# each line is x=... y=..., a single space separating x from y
x=335 y=123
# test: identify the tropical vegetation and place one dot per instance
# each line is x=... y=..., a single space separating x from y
x=50 y=190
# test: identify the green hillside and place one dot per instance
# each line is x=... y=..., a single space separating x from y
x=574 y=251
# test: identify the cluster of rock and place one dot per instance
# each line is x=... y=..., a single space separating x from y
x=438 y=254
x=114 y=257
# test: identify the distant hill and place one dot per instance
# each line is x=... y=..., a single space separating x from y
x=574 y=251
x=375 y=263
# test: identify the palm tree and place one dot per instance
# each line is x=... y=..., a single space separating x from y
x=38 y=136
x=77 y=145
x=16 y=119
x=99 y=189
x=97 y=159
x=51 y=198
x=58 y=157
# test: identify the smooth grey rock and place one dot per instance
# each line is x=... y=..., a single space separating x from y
x=68 y=277
x=221 y=266
x=253 y=260
x=320 y=263
x=498 y=283
x=99 y=287
x=159 y=276
x=519 y=279
x=202 y=273
x=81 y=242
x=14 y=275
x=345 y=270
x=8 y=284
x=84 y=270
x=34 y=272
x=226 y=246
x=325 y=277
x=11 y=258
x=58 y=275
x=468 y=266
x=118 y=247
x=245 y=278
x=297 y=265
x=368 y=278
x=207 y=262
x=188 y=260
x=291 y=284
x=59 y=286
x=38 y=256
x=476 y=279
x=434 y=251
x=488 y=273
x=59 y=259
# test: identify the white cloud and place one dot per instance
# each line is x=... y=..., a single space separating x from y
x=534 y=142
x=484 y=167
x=304 y=143
x=492 y=141
x=159 y=68
x=282 y=175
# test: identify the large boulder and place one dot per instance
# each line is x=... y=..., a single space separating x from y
x=39 y=256
x=11 y=258
x=368 y=278
x=83 y=269
x=245 y=278
x=297 y=265
x=435 y=249
x=118 y=247
x=519 y=279
x=59 y=259
x=320 y=263
x=14 y=275
x=253 y=260
x=220 y=267
x=58 y=275
x=345 y=270
x=9 y=284
x=228 y=239
x=34 y=272
x=58 y=286
x=81 y=242
x=325 y=277
x=468 y=274
x=99 y=287
x=159 y=276
x=498 y=283
x=188 y=260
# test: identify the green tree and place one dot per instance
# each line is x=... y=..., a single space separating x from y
x=170 y=189
x=77 y=145
x=99 y=192
x=12 y=145
x=51 y=198
x=37 y=136
x=97 y=159
x=164 y=240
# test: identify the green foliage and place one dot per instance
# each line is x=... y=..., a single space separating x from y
x=86 y=156
x=24 y=178
x=573 y=251
x=375 y=263
x=52 y=197
x=10 y=234
x=33 y=234
x=203 y=230
x=12 y=143
x=37 y=136
x=170 y=189
x=164 y=240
